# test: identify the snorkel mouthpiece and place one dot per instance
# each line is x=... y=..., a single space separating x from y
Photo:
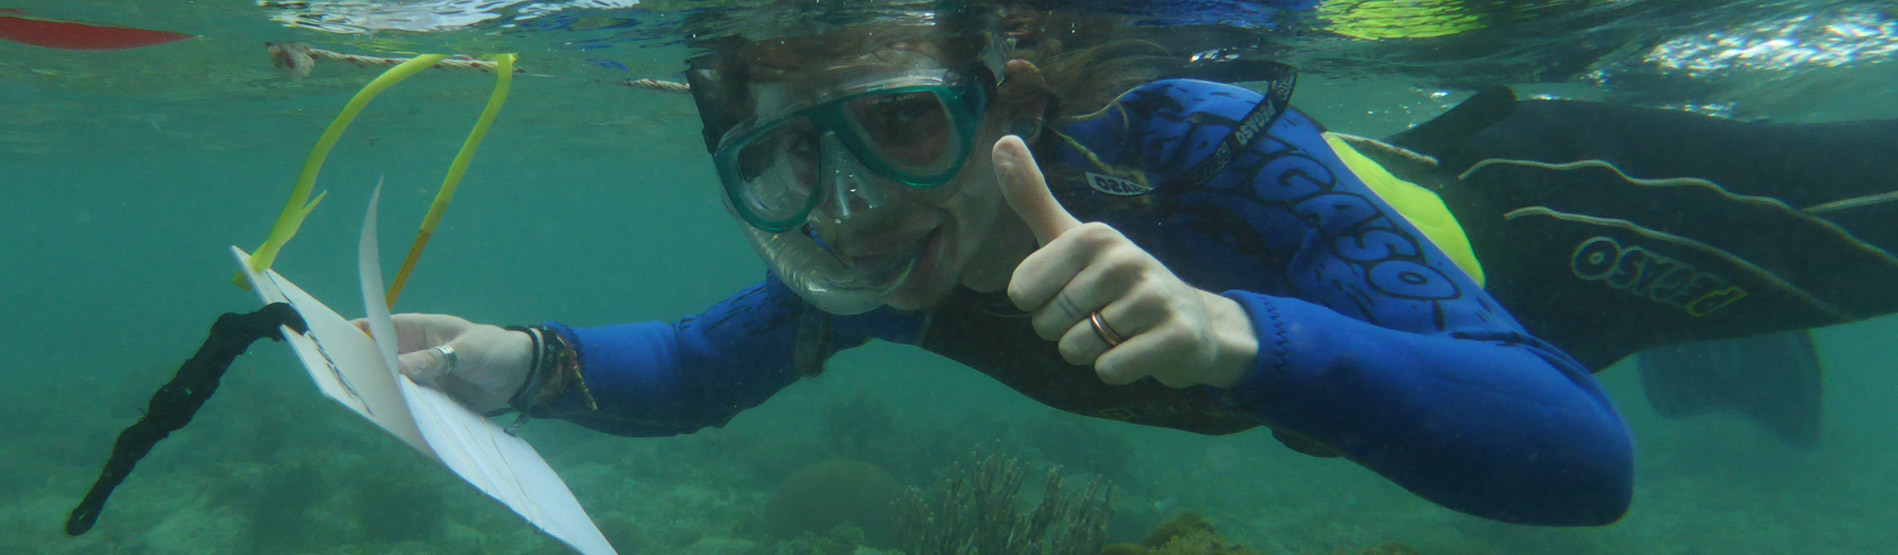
x=825 y=279
x=834 y=282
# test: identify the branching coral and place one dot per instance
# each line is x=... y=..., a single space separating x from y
x=978 y=513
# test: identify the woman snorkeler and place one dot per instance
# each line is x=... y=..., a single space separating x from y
x=1172 y=252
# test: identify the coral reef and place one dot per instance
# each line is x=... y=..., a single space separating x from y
x=278 y=509
x=1392 y=549
x=977 y=513
x=395 y=508
x=1187 y=533
x=833 y=493
x=713 y=545
x=842 y=540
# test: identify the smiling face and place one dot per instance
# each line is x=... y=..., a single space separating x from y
x=951 y=230
x=957 y=229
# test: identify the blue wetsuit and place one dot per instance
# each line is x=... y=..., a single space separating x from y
x=1373 y=344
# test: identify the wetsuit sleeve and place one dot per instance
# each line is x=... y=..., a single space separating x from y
x=658 y=378
x=1486 y=421
x=1372 y=342
x=1382 y=349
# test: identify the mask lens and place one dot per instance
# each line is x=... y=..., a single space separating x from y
x=772 y=174
x=914 y=136
x=912 y=132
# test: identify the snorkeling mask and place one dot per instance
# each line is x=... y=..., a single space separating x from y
x=918 y=134
x=841 y=153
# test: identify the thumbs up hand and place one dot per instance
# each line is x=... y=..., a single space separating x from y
x=1111 y=304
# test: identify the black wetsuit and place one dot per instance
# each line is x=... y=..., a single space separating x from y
x=1727 y=229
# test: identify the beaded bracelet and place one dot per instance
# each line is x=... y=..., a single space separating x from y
x=562 y=361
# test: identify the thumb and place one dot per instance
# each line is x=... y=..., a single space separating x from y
x=426 y=364
x=1026 y=191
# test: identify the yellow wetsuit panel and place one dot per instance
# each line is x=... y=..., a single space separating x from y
x=1419 y=206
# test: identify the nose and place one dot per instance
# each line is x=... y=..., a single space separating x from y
x=850 y=190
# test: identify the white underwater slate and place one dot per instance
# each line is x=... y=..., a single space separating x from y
x=359 y=372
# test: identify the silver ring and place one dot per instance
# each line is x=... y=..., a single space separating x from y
x=449 y=359
x=1105 y=332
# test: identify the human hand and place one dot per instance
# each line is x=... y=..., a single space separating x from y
x=1109 y=302
x=490 y=363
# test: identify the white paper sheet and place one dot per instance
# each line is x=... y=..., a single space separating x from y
x=360 y=373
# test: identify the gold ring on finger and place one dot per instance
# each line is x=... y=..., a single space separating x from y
x=1105 y=332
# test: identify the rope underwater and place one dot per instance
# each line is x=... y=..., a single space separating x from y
x=298 y=59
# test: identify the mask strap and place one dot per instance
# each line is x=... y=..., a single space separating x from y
x=1277 y=101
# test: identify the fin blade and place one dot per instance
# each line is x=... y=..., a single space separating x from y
x=1773 y=379
x=1447 y=133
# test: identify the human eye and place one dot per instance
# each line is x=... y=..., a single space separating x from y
x=904 y=117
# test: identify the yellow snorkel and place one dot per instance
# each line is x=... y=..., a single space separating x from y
x=300 y=203
x=504 y=77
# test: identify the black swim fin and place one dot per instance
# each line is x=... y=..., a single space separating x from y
x=1772 y=379
x=1446 y=133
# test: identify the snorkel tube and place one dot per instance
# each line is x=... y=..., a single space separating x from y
x=824 y=279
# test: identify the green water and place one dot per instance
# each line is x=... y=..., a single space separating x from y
x=126 y=176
